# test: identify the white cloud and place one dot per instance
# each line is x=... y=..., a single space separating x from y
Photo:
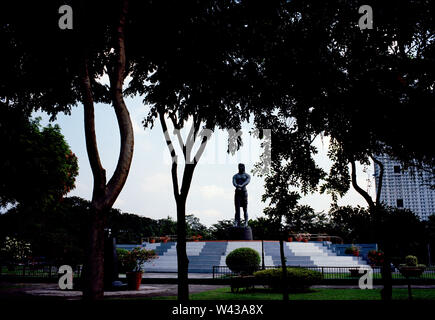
x=156 y=183
x=214 y=192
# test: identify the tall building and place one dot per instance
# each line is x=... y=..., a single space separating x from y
x=404 y=189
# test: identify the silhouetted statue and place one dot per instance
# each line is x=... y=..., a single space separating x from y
x=240 y=181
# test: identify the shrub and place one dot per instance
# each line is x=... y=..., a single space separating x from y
x=132 y=261
x=15 y=251
x=353 y=250
x=298 y=279
x=376 y=257
x=243 y=260
x=121 y=254
x=411 y=261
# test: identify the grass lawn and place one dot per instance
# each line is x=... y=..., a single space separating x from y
x=314 y=294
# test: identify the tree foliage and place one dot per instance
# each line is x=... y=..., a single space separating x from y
x=38 y=167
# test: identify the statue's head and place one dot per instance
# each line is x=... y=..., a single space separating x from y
x=241 y=168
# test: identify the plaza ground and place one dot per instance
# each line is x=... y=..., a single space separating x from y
x=9 y=290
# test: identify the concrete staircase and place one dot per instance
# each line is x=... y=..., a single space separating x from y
x=203 y=255
x=271 y=248
x=321 y=256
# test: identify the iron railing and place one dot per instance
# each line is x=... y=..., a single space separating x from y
x=335 y=273
x=39 y=271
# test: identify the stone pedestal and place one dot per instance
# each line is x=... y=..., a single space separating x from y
x=241 y=233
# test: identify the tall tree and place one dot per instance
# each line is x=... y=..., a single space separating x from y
x=52 y=69
x=326 y=76
x=193 y=80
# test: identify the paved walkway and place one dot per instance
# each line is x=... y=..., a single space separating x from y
x=40 y=290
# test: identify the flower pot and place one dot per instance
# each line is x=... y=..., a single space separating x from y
x=290 y=239
x=305 y=240
x=152 y=240
x=134 y=280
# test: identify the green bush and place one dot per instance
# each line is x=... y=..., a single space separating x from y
x=133 y=260
x=121 y=253
x=298 y=279
x=243 y=260
x=411 y=261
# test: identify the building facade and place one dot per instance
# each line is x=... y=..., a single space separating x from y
x=405 y=189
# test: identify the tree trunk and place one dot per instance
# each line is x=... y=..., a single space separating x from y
x=374 y=206
x=94 y=268
x=181 y=194
x=105 y=194
x=387 y=280
x=284 y=270
x=182 y=260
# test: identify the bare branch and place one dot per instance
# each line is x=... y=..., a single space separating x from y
x=116 y=183
x=365 y=195
x=381 y=176
x=178 y=133
x=206 y=134
x=98 y=171
x=172 y=152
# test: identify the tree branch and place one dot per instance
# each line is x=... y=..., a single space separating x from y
x=202 y=146
x=98 y=171
x=173 y=154
x=381 y=176
x=119 y=177
x=190 y=141
x=178 y=133
x=358 y=188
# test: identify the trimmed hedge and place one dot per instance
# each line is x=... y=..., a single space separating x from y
x=297 y=278
x=411 y=261
x=243 y=260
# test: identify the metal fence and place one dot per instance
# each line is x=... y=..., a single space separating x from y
x=333 y=273
x=40 y=271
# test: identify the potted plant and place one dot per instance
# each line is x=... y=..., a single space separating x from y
x=375 y=257
x=411 y=268
x=352 y=250
x=132 y=262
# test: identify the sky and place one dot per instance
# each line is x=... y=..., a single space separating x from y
x=148 y=190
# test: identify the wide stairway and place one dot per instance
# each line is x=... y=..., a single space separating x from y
x=203 y=255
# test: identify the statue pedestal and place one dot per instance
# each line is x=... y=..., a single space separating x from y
x=241 y=233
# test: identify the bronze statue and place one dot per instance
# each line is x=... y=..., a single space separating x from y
x=240 y=181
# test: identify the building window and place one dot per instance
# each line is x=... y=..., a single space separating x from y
x=399 y=203
x=396 y=169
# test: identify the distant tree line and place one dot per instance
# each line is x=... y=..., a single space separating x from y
x=58 y=233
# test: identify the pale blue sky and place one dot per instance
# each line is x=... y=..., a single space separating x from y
x=148 y=190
